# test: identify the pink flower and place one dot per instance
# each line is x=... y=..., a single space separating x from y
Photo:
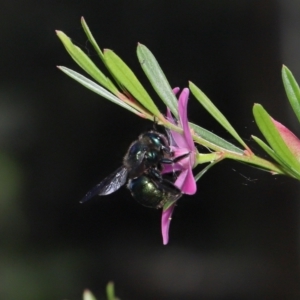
x=292 y=142
x=180 y=144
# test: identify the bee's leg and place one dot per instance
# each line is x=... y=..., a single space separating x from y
x=155 y=173
x=174 y=160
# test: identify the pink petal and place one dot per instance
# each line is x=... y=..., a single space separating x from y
x=169 y=116
x=179 y=139
x=165 y=223
x=169 y=168
x=179 y=151
x=182 y=109
x=292 y=142
x=181 y=178
x=189 y=186
x=176 y=90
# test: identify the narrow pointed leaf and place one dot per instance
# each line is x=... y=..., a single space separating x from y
x=128 y=80
x=157 y=78
x=270 y=132
x=96 y=47
x=214 y=139
x=268 y=150
x=286 y=169
x=203 y=171
x=91 y=85
x=213 y=110
x=86 y=63
x=292 y=90
x=110 y=291
x=91 y=38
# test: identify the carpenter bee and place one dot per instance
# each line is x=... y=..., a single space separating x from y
x=142 y=166
x=152 y=192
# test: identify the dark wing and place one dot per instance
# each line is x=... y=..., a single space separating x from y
x=108 y=185
x=171 y=192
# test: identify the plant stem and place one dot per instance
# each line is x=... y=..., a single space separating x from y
x=247 y=157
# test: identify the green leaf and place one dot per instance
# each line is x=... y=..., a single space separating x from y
x=286 y=170
x=267 y=149
x=86 y=63
x=91 y=38
x=128 y=80
x=204 y=170
x=213 y=110
x=157 y=78
x=96 y=47
x=292 y=90
x=270 y=132
x=91 y=85
x=110 y=291
x=214 y=139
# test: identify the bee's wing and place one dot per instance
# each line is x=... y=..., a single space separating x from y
x=108 y=185
x=173 y=191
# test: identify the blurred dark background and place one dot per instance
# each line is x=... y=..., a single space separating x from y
x=237 y=238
